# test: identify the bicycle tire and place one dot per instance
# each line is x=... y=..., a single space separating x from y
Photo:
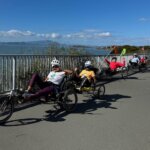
x=6 y=108
x=101 y=91
x=124 y=72
x=68 y=104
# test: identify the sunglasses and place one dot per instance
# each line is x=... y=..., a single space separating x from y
x=55 y=66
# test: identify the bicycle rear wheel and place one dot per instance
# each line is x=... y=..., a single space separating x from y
x=6 y=109
x=70 y=100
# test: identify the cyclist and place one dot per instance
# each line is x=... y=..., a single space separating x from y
x=143 y=62
x=113 y=64
x=50 y=85
x=86 y=75
x=135 y=60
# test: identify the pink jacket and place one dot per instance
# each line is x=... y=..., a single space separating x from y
x=114 y=65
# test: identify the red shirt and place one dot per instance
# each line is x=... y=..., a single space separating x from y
x=114 y=65
x=142 y=60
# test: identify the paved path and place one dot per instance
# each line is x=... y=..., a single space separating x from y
x=119 y=121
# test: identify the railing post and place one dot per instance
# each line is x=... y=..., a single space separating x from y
x=14 y=73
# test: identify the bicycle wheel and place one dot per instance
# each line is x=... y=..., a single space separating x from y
x=6 y=109
x=142 y=67
x=70 y=99
x=100 y=91
x=124 y=72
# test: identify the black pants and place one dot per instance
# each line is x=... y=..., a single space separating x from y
x=85 y=82
x=81 y=81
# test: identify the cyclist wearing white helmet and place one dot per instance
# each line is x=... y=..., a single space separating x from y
x=55 y=62
x=88 y=64
x=86 y=75
x=56 y=75
x=135 y=60
x=50 y=84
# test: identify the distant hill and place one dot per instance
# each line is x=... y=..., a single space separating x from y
x=37 y=47
x=48 y=47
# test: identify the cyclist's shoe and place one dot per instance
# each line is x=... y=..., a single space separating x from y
x=28 y=91
x=118 y=69
x=20 y=101
x=43 y=99
x=79 y=90
x=27 y=96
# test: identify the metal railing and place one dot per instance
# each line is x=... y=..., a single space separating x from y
x=16 y=70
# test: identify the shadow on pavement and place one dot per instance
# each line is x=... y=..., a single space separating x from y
x=93 y=104
x=87 y=106
x=21 y=122
x=26 y=105
x=56 y=115
x=114 y=97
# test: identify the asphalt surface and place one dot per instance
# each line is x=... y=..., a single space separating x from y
x=118 y=121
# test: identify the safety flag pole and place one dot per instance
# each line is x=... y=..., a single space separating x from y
x=123 y=53
x=105 y=58
x=143 y=50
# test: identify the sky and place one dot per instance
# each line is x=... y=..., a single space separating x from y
x=82 y=22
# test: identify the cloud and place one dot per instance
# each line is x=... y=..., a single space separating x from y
x=16 y=33
x=85 y=34
x=91 y=30
x=55 y=35
x=143 y=19
x=88 y=34
x=85 y=37
x=103 y=34
x=51 y=35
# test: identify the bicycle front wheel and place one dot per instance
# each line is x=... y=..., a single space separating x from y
x=124 y=72
x=6 y=109
x=101 y=91
x=70 y=100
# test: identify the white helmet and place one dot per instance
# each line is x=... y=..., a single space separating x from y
x=88 y=63
x=55 y=62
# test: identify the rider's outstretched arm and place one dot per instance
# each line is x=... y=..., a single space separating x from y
x=68 y=72
x=107 y=61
